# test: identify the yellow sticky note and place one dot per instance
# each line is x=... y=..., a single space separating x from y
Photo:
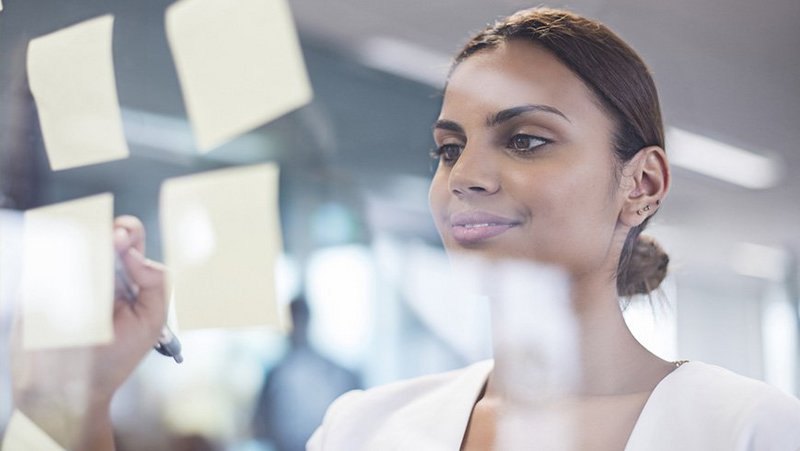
x=239 y=64
x=22 y=434
x=71 y=76
x=221 y=240
x=68 y=274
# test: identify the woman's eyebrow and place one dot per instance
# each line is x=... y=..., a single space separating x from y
x=504 y=115
x=444 y=124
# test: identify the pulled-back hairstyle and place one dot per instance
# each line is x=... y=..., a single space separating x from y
x=623 y=87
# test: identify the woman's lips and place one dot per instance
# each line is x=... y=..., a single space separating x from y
x=474 y=227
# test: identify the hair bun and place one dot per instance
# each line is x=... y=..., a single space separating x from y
x=646 y=269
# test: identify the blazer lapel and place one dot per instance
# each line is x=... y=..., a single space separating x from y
x=437 y=420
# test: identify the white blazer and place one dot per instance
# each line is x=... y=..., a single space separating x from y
x=697 y=407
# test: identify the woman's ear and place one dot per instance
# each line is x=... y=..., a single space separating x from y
x=647 y=183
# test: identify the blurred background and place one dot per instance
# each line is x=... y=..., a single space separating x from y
x=362 y=259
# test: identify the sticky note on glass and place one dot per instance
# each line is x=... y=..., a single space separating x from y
x=239 y=64
x=68 y=274
x=22 y=434
x=71 y=77
x=221 y=240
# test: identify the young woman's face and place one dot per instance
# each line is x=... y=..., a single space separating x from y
x=526 y=168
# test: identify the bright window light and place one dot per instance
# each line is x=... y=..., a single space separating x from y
x=721 y=161
x=340 y=284
x=405 y=59
x=760 y=261
x=779 y=333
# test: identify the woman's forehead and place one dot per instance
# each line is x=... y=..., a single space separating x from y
x=512 y=74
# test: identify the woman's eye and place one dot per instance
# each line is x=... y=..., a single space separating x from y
x=447 y=153
x=525 y=143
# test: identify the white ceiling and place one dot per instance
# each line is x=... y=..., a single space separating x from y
x=727 y=69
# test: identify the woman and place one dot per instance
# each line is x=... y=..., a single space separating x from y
x=550 y=146
x=551 y=150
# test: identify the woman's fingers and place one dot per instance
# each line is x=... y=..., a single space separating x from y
x=146 y=275
x=128 y=233
x=149 y=277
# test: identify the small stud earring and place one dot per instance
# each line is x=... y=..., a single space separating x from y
x=647 y=207
x=639 y=212
x=658 y=201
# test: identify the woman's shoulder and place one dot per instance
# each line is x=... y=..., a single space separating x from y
x=755 y=405
x=709 y=407
x=359 y=416
x=706 y=383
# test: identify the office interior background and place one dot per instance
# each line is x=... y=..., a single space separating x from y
x=359 y=242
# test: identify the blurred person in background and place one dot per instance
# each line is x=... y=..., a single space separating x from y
x=298 y=389
x=551 y=151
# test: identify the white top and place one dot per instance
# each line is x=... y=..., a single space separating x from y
x=696 y=407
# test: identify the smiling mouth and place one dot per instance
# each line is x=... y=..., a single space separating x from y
x=476 y=233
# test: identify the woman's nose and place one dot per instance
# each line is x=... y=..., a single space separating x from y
x=474 y=173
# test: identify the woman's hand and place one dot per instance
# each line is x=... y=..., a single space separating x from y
x=67 y=392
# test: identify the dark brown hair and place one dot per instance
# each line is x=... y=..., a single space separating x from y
x=624 y=89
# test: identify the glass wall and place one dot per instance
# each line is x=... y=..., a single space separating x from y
x=358 y=242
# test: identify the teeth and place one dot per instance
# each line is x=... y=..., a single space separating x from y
x=473 y=226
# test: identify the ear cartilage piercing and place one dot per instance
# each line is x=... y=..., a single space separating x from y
x=658 y=201
x=647 y=207
x=639 y=212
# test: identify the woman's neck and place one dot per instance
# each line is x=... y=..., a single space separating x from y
x=567 y=340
